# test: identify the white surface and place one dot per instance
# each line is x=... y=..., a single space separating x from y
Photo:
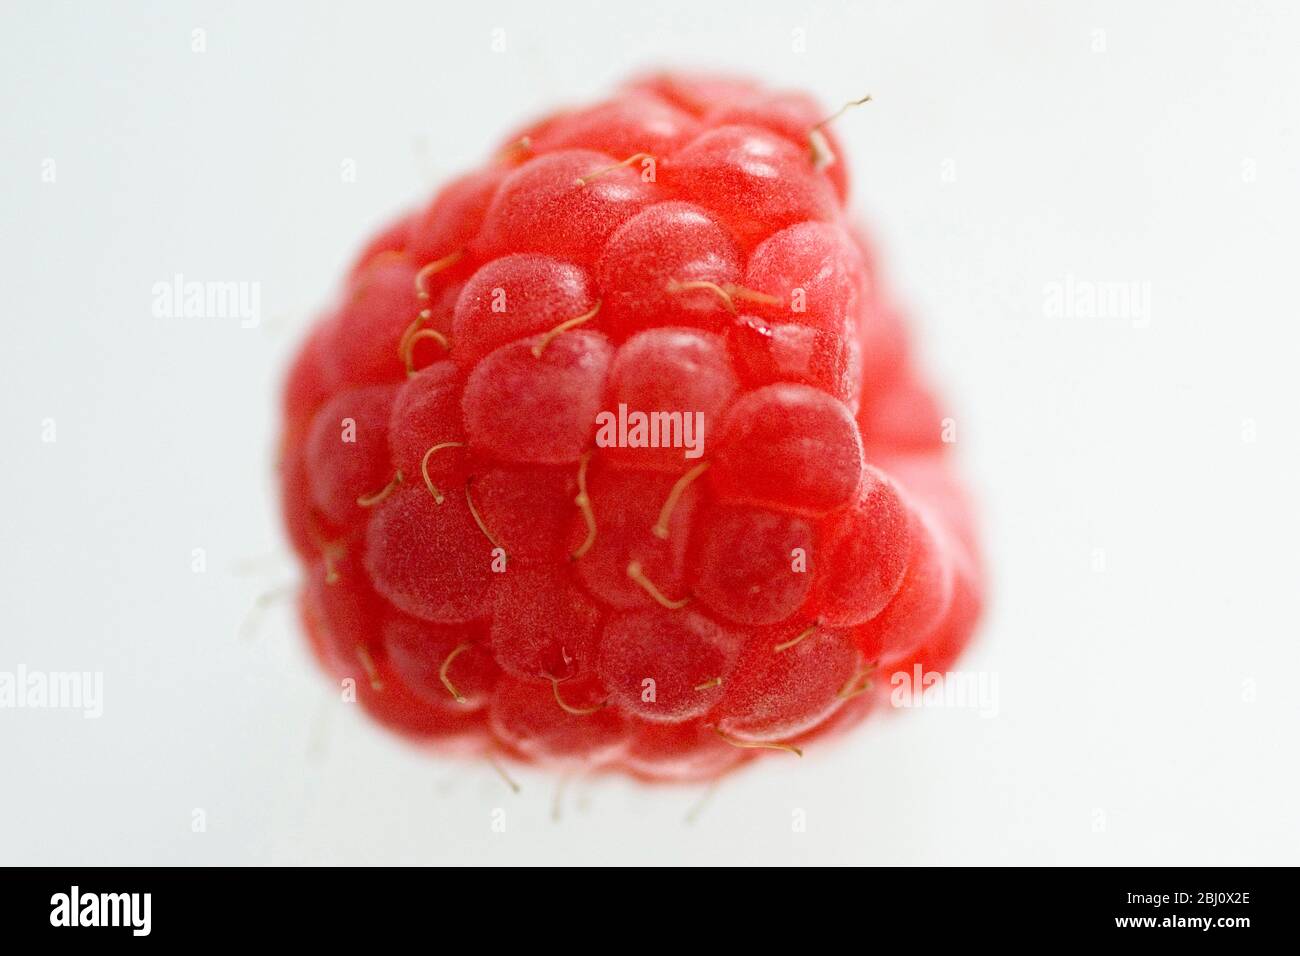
x=1146 y=712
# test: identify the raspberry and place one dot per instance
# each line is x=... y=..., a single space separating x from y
x=670 y=368
x=347 y=453
x=627 y=124
x=614 y=455
x=547 y=206
x=426 y=414
x=817 y=258
x=530 y=401
x=428 y=559
x=760 y=584
x=379 y=304
x=779 y=694
x=636 y=558
x=864 y=554
x=666 y=665
x=514 y=297
x=754 y=180
x=773 y=352
x=452 y=219
x=790 y=446
x=418 y=652
x=544 y=625
x=653 y=268
x=529 y=510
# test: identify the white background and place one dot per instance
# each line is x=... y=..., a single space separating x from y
x=1147 y=710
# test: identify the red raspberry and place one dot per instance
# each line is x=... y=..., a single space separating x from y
x=495 y=576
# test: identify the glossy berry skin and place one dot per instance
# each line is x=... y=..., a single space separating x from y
x=496 y=577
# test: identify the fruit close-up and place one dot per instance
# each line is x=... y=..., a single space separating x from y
x=718 y=434
x=614 y=454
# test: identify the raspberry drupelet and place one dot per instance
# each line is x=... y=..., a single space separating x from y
x=496 y=580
